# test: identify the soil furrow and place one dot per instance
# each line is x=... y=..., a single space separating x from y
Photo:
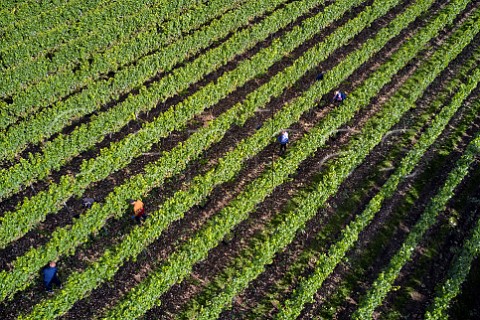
x=428 y=176
x=467 y=305
x=257 y=288
x=111 y=74
x=344 y=271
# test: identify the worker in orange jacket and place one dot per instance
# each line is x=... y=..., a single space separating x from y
x=138 y=210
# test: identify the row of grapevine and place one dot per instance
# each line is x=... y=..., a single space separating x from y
x=157 y=172
x=327 y=263
x=67 y=54
x=99 y=270
x=310 y=285
x=43 y=124
x=95 y=96
x=118 y=155
x=174 y=206
x=457 y=274
x=345 y=288
x=14 y=11
x=273 y=242
x=233 y=214
x=370 y=88
x=203 y=138
x=10 y=6
x=121 y=56
x=384 y=282
x=271 y=263
x=46 y=21
x=21 y=53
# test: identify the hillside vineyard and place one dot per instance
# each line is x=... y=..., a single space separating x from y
x=239 y=159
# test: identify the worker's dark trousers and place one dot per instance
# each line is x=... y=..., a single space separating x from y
x=283 y=147
x=55 y=281
x=140 y=218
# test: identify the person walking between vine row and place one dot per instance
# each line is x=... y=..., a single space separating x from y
x=50 y=276
x=339 y=96
x=283 y=139
x=138 y=210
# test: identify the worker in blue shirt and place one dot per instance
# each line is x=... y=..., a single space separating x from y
x=50 y=276
x=339 y=96
x=283 y=139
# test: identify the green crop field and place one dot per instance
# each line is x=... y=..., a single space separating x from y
x=372 y=212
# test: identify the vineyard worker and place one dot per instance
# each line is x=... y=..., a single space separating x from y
x=283 y=139
x=88 y=202
x=339 y=96
x=138 y=210
x=50 y=276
